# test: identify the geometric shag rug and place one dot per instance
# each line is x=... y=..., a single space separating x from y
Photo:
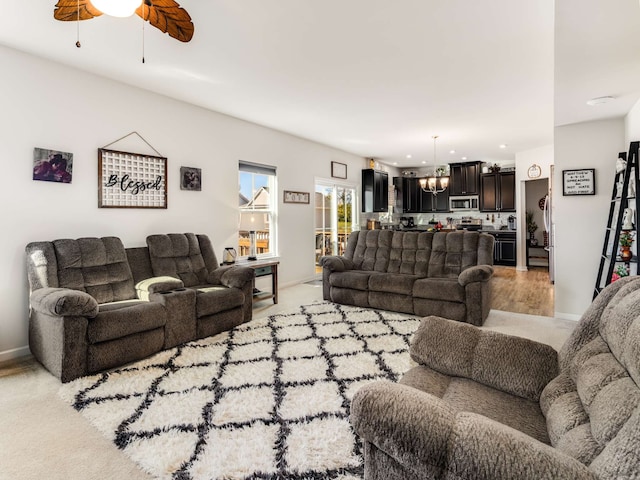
x=267 y=400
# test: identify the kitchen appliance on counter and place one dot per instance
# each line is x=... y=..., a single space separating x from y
x=373 y=225
x=512 y=222
x=469 y=223
x=407 y=222
x=463 y=203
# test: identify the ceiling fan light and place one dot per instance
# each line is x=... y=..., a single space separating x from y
x=117 y=8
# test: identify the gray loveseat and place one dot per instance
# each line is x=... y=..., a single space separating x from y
x=444 y=273
x=95 y=305
x=484 y=405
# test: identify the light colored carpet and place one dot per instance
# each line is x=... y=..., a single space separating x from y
x=43 y=437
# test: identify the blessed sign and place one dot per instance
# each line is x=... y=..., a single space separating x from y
x=131 y=180
x=579 y=182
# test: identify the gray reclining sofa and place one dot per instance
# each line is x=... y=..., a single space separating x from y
x=423 y=273
x=489 y=406
x=95 y=305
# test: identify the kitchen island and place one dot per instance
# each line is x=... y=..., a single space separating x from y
x=504 y=252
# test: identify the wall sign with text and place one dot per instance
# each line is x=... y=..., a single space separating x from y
x=579 y=182
x=131 y=180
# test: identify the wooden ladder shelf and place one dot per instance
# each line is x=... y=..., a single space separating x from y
x=621 y=199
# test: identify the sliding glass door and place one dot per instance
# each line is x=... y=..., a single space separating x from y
x=336 y=216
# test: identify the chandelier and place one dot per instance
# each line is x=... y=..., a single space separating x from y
x=430 y=184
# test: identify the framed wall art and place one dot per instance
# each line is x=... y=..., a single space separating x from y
x=579 y=182
x=131 y=180
x=52 y=165
x=338 y=170
x=190 y=179
x=296 y=197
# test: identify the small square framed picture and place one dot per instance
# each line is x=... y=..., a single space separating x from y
x=190 y=179
x=338 y=170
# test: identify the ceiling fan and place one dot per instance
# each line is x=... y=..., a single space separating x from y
x=165 y=15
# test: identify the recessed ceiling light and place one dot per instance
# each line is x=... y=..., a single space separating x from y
x=409 y=156
x=503 y=145
x=600 y=100
x=464 y=158
x=395 y=163
x=452 y=152
x=424 y=161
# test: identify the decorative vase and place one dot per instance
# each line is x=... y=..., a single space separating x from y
x=626 y=254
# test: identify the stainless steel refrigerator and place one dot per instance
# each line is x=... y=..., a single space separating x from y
x=548 y=226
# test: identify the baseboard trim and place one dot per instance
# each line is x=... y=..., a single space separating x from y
x=14 y=353
x=567 y=316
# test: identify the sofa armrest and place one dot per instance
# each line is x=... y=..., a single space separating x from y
x=232 y=276
x=336 y=263
x=157 y=285
x=478 y=273
x=426 y=436
x=63 y=302
x=512 y=364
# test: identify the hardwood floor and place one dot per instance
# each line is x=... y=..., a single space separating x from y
x=523 y=292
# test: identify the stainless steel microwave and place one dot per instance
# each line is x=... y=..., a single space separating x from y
x=463 y=203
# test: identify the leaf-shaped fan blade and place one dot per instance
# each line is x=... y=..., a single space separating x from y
x=169 y=17
x=67 y=10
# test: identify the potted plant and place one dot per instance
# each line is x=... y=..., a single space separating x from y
x=532 y=226
x=626 y=240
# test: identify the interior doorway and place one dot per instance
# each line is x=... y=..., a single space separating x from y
x=537 y=235
x=336 y=216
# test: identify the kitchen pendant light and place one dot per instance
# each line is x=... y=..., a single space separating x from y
x=431 y=184
x=117 y=8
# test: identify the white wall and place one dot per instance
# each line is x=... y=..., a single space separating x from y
x=580 y=221
x=632 y=125
x=542 y=156
x=51 y=106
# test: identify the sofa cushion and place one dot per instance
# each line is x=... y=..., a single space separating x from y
x=466 y=395
x=213 y=299
x=178 y=255
x=97 y=266
x=353 y=279
x=447 y=289
x=410 y=253
x=392 y=283
x=590 y=403
x=119 y=319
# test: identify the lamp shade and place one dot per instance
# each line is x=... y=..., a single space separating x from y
x=117 y=8
x=252 y=222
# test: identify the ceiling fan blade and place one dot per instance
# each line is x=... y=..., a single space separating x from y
x=169 y=17
x=67 y=10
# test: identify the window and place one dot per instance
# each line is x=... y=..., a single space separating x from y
x=258 y=202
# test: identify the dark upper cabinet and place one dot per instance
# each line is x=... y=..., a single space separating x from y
x=416 y=200
x=498 y=192
x=375 y=190
x=435 y=203
x=464 y=178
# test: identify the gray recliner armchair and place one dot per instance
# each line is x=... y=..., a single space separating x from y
x=484 y=405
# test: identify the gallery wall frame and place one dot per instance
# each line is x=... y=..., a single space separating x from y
x=131 y=180
x=338 y=170
x=295 y=197
x=190 y=179
x=52 y=165
x=579 y=182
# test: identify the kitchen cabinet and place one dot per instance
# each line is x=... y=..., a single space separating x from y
x=416 y=200
x=498 y=192
x=375 y=190
x=504 y=251
x=465 y=178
